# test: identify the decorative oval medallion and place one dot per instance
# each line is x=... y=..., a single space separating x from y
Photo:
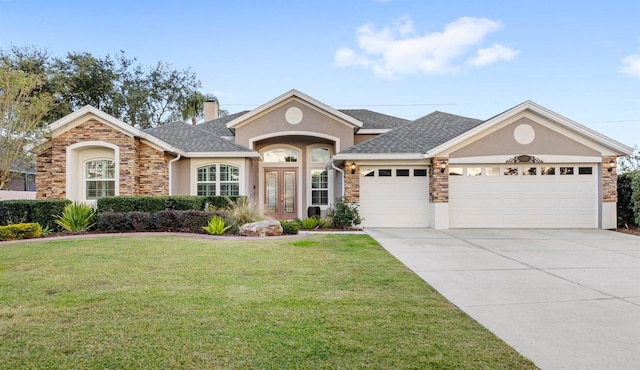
x=524 y=134
x=293 y=115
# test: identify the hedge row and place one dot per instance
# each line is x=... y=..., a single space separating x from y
x=165 y=220
x=20 y=231
x=161 y=203
x=629 y=199
x=27 y=211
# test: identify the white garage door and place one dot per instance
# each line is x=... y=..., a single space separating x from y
x=394 y=196
x=523 y=196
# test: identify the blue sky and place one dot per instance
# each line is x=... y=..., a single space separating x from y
x=407 y=58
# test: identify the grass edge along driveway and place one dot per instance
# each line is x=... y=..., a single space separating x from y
x=323 y=301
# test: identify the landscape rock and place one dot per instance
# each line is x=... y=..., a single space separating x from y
x=261 y=228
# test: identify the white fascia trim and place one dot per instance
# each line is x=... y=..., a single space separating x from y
x=301 y=133
x=493 y=159
x=365 y=131
x=383 y=156
x=124 y=127
x=544 y=112
x=287 y=95
x=222 y=155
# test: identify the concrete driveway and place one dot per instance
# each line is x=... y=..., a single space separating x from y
x=566 y=299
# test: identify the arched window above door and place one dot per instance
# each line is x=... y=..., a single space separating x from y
x=280 y=155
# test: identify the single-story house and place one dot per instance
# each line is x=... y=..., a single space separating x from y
x=527 y=167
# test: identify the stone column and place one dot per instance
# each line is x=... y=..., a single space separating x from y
x=439 y=181
x=351 y=183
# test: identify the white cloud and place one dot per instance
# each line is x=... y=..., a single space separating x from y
x=398 y=50
x=491 y=55
x=631 y=65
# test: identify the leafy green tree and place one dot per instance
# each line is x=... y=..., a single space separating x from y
x=119 y=85
x=630 y=163
x=23 y=107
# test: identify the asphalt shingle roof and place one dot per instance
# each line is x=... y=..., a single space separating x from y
x=405 y=136
x=375 y=120
x=193 y=138
x=218 y=126
x=418 y=136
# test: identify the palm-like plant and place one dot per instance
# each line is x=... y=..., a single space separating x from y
x=77 y=217
x=216 y=226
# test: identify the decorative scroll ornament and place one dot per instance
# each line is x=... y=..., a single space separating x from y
x=524 y=159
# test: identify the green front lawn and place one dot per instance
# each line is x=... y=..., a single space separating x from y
x=324 y=301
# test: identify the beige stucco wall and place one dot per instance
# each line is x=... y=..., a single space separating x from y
x=361 y=138
x=314 y=123
x=546 y=141
x=180 y=177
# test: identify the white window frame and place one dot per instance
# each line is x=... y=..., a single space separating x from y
x=86 y=179
x=312 y=189
x=218 y=182
x=319 y=166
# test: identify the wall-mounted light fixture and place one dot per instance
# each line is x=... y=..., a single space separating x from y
x=353 y=167
x=443 y=166
x=612 y=165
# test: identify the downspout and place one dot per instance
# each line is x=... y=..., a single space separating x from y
x=342 y=172
x=170 y=173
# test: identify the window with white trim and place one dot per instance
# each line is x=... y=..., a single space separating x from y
x=100 y=178
x=218 y=179
x=319 y=187
x=318 y=155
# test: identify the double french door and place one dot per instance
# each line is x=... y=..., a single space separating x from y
x=280 y=192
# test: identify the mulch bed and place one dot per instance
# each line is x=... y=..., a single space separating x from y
x=629 y=231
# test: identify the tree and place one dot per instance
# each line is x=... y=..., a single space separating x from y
x=630 y=163
x=193 y=108
x=141 y=96
x=22 y=109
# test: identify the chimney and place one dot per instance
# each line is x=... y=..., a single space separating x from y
x=211 y=110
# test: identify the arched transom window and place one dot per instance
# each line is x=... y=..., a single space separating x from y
x=100 y=180
x=280 y=155
x=218 y=179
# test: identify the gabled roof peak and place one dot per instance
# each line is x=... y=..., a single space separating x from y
x=306 y=98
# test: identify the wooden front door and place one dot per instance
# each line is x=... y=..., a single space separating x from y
x=280 y=193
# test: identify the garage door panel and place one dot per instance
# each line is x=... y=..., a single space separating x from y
x=524 y=201
x=394 y=201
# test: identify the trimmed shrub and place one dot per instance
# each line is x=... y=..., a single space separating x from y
x=626 y=214
x=289 y=227
x=44 y=212
x=39 y=211
x=160 y=203
x=20 y=231
x=141 y=221
x=167 y=220
x=344 y=215
x=15 y=211
x=193 y=221
x=217 y=203
x=114 y=222
x=131 y=203
x=185 y=203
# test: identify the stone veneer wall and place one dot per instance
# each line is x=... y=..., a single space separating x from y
x=44 y=177
x=352 y=184
x=609 y=180
x=154 y=171
x=51 y=162
x=438 y=181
